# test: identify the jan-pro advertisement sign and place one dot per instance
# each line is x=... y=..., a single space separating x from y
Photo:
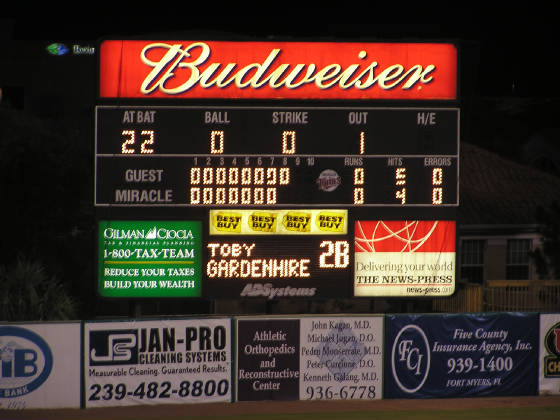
x=404 y=258
x=149 y=258
x=309 y=358
x=157 y=362
x=461 y=355
x=40 y=365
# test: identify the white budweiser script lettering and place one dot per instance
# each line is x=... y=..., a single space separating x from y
x=179 y=70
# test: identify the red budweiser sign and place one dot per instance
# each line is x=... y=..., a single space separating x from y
x=277 y=70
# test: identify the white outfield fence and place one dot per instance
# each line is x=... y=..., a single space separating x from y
x=87 y=364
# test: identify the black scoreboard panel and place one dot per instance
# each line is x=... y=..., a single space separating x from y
x=281 y=156
x=278 y=266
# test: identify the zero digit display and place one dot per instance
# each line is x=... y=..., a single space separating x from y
x=276 y=156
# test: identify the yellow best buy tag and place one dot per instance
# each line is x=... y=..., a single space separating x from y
x=263 y=221
x=227 y=222
x=297 y=221
x=330 y=221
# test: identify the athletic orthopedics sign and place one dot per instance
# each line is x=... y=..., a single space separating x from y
x=461 y=355
x=160 y=361
x=149 y=259
x=404 y=258
x=40 y=365
x=274 y=70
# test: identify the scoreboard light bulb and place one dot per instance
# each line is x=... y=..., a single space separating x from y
x=150 y=140
x=271 y=196
x=245 y=195
x=284 y=176
x=400 y=176
x=401 y=194
x=437 y=195
x=207 y=176
x=195 y=195
x=259 y=195
x=207 y=195
x=358 y=196
x=362 y=143
x=131 y=134
x=271 y=176
x=233 y=176
x=437 y=176
x=220 y=196
x=195 y=176
x=220 y=135
x=292 y=148
x=246 y=176
x=220 y=176
x=233 y=196
x=358 y=176
x=259 y=176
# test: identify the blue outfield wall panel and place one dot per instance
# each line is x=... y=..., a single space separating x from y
x=461 y=355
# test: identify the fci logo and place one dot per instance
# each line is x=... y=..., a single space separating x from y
x=410 y=358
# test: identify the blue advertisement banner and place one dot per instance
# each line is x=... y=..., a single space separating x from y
x=462 y=355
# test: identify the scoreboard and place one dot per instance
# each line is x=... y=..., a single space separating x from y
x=277 y=156
x=206 y=197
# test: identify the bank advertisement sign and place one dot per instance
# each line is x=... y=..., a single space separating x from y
x=323 y=358
x=404 y=258
x=40 y=365
x=549 y=354
x=463 y=355
x=149 y=259
x=157 y=362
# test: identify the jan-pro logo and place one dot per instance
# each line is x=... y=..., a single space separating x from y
x=410 y=358
x=25 y=361
x=114 y=347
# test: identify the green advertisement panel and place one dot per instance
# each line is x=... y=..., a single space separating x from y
x=149 y=259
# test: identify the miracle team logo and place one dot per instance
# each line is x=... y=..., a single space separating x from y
x=552 y=345
x=25 y=361
x=328 y=180
x=410 y=358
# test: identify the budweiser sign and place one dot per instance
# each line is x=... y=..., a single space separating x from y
x=275 y=70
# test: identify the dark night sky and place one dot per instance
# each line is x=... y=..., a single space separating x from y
x=502 y=43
